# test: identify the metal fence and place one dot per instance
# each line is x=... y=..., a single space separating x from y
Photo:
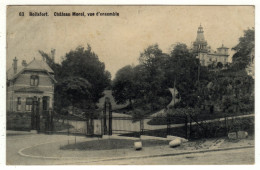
x=121 y=125
x=160 y=126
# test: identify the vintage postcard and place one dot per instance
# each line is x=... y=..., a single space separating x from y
x=130 y=85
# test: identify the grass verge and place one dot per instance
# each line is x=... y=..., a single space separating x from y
x=108 y=144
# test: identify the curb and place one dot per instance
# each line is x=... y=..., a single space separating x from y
x=20 y=152
x=119 y=137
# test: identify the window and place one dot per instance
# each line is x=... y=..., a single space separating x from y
x=34 y=80
x=19 y=104
x=29 y=102
x=45 y=102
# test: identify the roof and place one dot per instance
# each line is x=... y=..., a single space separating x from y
x=34 y=65
x=200 y=35
x=10 y=72
x=223 y=47
x=38 y=65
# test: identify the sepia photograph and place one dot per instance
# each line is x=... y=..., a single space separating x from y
x=130 y=85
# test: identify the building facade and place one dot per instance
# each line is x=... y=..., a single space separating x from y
x=204 y=52
x=27 y=83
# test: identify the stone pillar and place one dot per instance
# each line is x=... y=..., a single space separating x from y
x=50 y=102
x=40 y=105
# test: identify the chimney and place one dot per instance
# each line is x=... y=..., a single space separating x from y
x=24 y=63
x=53 y=54
x=15 y=65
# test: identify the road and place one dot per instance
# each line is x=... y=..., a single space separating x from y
x=17 y=144
x=231 y=157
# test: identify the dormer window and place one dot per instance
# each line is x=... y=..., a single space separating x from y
x=34 y=80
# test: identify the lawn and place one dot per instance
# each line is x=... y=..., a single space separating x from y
x=177 y=131
x=204 y=115
x=108 y=144
x=204 y=130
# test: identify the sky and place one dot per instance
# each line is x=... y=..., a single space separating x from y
x=119 y=40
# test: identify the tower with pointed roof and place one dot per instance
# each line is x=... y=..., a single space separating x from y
x=200 y=44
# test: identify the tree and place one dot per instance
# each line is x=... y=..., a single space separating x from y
x=152 y=60
x=123 y=85
x=243 y=49
x=81 y=78
x=85 y=64
x=230 y=89
x=144 y=83
x=75 y=91
x=219 y=65
x=50 y=61
x=59 y=101
x=181 y=70
x=150 y=55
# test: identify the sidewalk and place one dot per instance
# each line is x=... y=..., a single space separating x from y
x=14 y=133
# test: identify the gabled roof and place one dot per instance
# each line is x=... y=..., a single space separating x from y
x=10 y=72
x=34 y=65
x=39 y=65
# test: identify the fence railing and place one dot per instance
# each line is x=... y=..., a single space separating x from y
x=161 y=126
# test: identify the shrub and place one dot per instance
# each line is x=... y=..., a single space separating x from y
x=220 y=128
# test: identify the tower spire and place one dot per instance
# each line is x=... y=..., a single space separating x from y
x=200 y=44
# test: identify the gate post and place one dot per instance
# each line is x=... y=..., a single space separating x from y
x=107 y=108
x=141 y=127
x=168 y=124
x=51 y=120
x=32 y=118
x=105 y=119
x=190 y=127
x=38 y=121
x=35 y=115
x=110 y=120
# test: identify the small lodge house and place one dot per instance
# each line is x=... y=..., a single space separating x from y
x=29 y=82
